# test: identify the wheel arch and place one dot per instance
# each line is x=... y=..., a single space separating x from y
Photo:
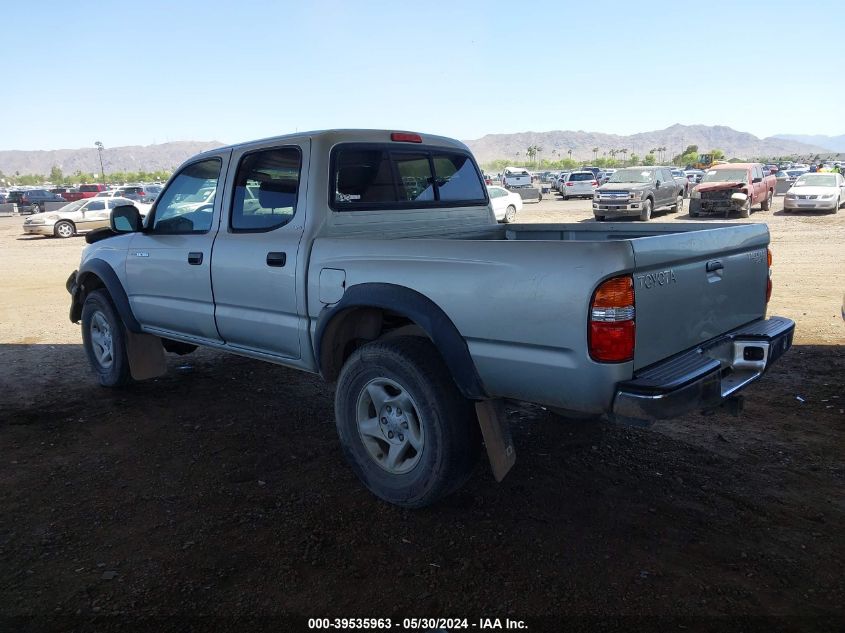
x=97 y=273
x=370 y=311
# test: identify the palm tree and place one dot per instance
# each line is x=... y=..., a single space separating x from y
x=624 y=153
x=595 y=153
x=612 y=153
x=662 y=151
x=569 y=151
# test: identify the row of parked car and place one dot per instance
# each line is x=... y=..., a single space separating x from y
x=34 y=199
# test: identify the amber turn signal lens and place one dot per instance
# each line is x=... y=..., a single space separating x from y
x=615 y=293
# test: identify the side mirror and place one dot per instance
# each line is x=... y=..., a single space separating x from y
x=657 y=185
x=753 y=180
x=125 y=219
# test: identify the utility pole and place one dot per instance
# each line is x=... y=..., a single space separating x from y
x=100 y=149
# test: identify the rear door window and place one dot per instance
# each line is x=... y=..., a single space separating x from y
x=266 y=189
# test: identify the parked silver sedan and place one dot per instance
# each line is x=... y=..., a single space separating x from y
x=816 y=192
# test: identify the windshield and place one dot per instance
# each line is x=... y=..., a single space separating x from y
x=816 y=180
x=74 y=206
x=632 y=175
x=725 y=175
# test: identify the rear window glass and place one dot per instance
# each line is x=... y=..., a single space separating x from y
x=584 y=176
x=88 y=188
x=384 y=177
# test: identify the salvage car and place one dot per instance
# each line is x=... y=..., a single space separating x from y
x=732 y=187
x=816 y=192
x=638 y=191
x=75 y=218
x=374 y=259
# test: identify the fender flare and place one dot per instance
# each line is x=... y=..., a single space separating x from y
x=106 y=274
x=422 y=311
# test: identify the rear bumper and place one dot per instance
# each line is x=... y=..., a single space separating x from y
x=702 y=378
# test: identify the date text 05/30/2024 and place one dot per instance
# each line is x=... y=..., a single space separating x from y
x=412 y=624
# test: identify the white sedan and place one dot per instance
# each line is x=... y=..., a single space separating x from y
x=821 y=192
x=505 y=203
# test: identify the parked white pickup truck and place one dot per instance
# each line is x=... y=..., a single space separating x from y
x=375 y=259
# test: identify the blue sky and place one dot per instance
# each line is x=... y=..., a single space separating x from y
x=140 y=73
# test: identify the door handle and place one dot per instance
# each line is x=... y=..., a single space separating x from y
x=195 y=259
x=277 y=260
x=714 y=265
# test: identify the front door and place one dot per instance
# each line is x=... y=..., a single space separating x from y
x=168 y=266
x=255 y=256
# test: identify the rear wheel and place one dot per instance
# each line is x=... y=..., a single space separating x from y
x=405 y=429
x=104 y=340
x=64 y=229
x=645 y=214
x=679 y=204
x=510 y=214
x=767 y=203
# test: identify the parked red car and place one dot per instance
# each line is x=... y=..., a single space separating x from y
x=84 y=191
x=733 y=187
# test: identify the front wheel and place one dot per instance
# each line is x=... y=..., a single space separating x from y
x=645 y=214
x=405 y=429
x=510 y=214
x=767 y=203
x=64 y=229
x=104 y=340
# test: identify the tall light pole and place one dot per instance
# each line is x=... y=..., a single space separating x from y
x=100 y=149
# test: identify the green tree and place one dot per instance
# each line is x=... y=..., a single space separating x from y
x=56 y=176
x=650 y=159
x=717 y=154
x=635 y=159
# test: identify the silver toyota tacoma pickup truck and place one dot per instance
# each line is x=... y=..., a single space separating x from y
x=374 y=259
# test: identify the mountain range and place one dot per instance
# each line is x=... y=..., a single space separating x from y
x=675 y=139
x=165 y=156
x=555 y=145
x=836 y=143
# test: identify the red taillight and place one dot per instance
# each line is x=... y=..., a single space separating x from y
x=405 y=137
x=570 y=184
x=612 y=321
x=594 y=183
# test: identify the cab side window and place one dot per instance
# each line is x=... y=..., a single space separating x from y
x=187 y=205
x=96 y=205
x=266 y=189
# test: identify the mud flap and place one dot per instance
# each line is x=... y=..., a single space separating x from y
x=497 y=436
x=146 y=356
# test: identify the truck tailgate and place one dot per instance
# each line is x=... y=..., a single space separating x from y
x=691 y=287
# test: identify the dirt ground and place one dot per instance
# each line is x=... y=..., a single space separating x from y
x=219 y=490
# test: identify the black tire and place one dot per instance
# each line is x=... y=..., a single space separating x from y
x=767 y=203
x=838 y=204
x=599 y=218
x=679 y=204
x=35 y=209
x=64 y=229
x=116 y=373
x=648 y=206
x=448 y=421
x=510 y=214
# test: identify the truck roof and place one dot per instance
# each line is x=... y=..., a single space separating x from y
x=333 y=137
x=734 y=165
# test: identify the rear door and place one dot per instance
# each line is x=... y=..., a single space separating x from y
x=168 y=266
x=693 y=286
x=255 y=256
